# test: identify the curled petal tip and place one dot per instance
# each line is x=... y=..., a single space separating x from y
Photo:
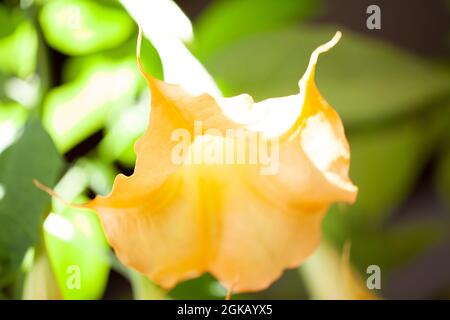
x=337 y=36
x=328 y=45
x=315 y=55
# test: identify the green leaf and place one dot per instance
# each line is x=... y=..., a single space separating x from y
x=74 y=238
x=98 y=87
x=18 y=43
x=144 y=289
x=125 y=125
x=22 y=205
x=122 y=132
x=12 y=118
x=100 y=175
x=365 y=80
x=386 y=246
x=79 y=27
x=76 y=110
x=226 y=21
x=385 y=163
x=201 y=288
x=149 y=58
x=78 y=253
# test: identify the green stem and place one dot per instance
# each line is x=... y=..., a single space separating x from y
x=144 y=289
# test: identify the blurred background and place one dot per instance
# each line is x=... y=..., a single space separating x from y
x=73 y=103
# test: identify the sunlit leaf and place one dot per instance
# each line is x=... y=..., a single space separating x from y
x=76 y=110
x=22 y=205
x=78 y=253
x=226 y=21
x=80 y=64
x=74 y=238
x=83 y=26
x=26 y=92
x=18 y=43
x=12 y=117
x=100 y=175
x=125 y=124
x=122 y=132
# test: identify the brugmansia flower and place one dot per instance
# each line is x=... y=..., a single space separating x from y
x=174 y=220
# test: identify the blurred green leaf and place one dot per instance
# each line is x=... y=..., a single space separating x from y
x=122 y=132
x=100 y=175
x=149 y=58
x=289 y=286
x=385 y=164
x=86 y=173
x=12 y=118
x=22 y=205
x=144 y=289
x=74 y=238
x=204 y=287
x=77 y=247
x=386 y=246
x=226 y=21
x=74 y=111
x=109 y=99
x=365 y=80
x=124 y=125
x=79 y=27
x=18 y=43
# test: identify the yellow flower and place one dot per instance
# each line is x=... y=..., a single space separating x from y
x=242 y=211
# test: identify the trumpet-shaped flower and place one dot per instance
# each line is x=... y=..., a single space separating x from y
x=228 y=186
